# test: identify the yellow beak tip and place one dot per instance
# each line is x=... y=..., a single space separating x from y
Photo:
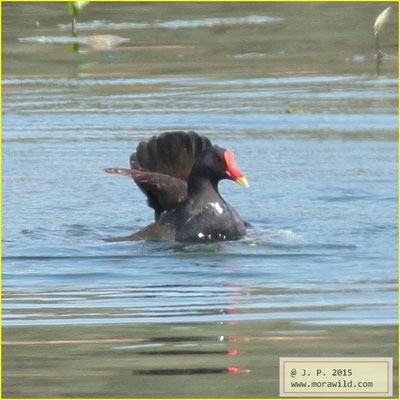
x=242 y=181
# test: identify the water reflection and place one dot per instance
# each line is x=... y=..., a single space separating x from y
x=176 y=24
x=96 y=42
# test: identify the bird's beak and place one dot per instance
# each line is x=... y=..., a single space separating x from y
x=232 y=171
x=242 y=181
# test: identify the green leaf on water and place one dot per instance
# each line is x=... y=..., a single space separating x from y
x=73 y=12
x=74 y=7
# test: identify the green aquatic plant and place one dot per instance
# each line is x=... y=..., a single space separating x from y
x=379 y=24
x=74 y=8
x=381 y=20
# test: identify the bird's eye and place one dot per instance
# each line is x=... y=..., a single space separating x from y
x=217 y=160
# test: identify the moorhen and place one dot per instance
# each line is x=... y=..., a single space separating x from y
x=179 y=173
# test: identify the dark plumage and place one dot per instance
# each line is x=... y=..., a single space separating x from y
x=179 y=173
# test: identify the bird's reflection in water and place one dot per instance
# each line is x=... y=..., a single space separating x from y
x=190 y=371
x=227 y=364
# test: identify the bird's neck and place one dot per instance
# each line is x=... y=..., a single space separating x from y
x=199 y=184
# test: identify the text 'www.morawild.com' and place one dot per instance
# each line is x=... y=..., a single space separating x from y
x=341 y=383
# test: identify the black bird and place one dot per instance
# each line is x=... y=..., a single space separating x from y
x=179 y=173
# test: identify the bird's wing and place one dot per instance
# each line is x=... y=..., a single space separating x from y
x=163 y=192
x=171 y=153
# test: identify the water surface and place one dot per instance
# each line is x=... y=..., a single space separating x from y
x=311 y=126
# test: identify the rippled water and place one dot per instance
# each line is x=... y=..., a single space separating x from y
x=319 y=151
x=321 y=200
